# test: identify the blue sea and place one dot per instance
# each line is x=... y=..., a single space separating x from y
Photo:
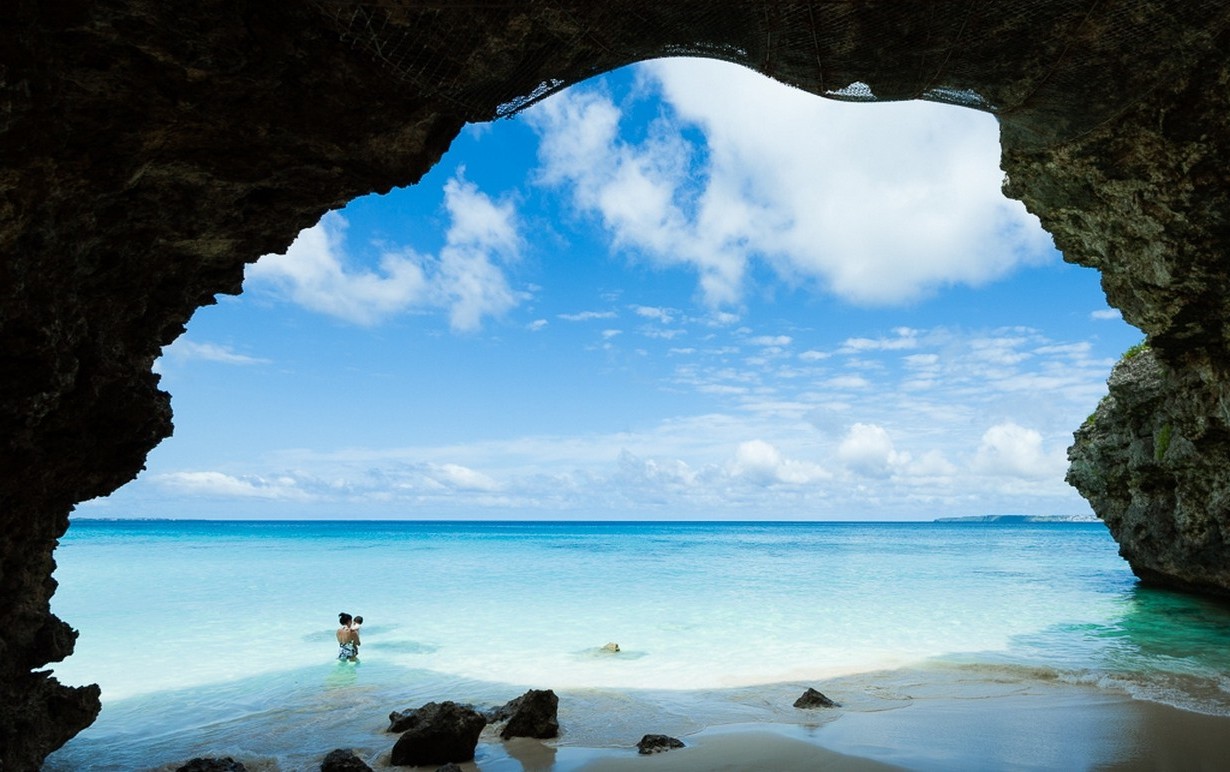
x=217 y=638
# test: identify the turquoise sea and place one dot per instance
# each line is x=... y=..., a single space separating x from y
x=216 y=638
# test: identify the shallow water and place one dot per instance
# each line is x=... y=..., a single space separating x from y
x=216 y=637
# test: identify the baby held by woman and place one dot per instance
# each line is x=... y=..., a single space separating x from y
x=348 y=637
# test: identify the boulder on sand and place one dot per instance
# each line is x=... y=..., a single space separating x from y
x=437 y=733
x=342 y=760
x=533 y=714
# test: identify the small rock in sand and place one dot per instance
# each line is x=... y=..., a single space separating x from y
x=814 y=699
x=657 y=743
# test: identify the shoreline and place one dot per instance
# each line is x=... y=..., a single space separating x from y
x=998 y=724
x=917 y=718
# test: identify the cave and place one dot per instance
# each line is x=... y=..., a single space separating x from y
x=151 y=150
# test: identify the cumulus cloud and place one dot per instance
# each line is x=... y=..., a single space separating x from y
x=1009 y=450
x=467 y=279
x=643 y=473
x=879 y=204
x=763 y=464
x=868 y=450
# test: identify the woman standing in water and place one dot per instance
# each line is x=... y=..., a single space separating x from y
x=347 y=639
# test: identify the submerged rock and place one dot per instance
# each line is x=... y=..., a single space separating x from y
x=657 y=743
x=342 y=760
x=533 y=714
x=205 y=764
x=814 y=699
x=437 y=733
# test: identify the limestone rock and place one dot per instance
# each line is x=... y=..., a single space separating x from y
x=657 y=743
x=1151 y=460
x=343 y=760
x=533 y=714
x=203 y=764
x=436 y=733
x=814 y=699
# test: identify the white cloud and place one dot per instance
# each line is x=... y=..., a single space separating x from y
x=650 y=473
x=848 y=383
x=771 y=340
x=466 y=279
x=481 y=235
x=663 y=315
x=184 y=349
x=1106 y=313
x=1010 y=450
x=879 y=204
x=763 y=464
x=906 y=338
x=463 y=478
x=585 y=316
x=218 y=484
x=868 y=450
x=537 y=325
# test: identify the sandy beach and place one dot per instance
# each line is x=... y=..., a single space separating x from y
x=993 y=724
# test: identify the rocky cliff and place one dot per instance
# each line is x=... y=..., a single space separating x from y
x=1152 y=461
x=149 y=149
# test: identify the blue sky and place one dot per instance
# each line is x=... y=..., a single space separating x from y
x=681 y=291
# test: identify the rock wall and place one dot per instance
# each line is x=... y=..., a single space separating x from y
x=1152 y=461
x=1145 y=200
x=149 y=149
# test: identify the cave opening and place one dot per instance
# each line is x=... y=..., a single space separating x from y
x=1112 y=135
x=801 y=305
x=355 y=378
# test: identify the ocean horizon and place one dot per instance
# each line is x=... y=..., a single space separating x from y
x=215 y=637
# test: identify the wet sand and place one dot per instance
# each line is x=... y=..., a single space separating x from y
x=1085 y=733
x=992 y=724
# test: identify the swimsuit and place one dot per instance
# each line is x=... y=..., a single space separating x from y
x=347 y=651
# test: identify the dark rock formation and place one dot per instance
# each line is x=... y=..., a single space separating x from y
x=342 y=760
x=1152 y=461
x=224 y=764
x=437 y=733
x=150 y=149
x=533 y=714
x=814 y=699
x=449 y=767
x=657 y=743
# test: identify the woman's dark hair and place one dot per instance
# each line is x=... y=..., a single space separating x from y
x=343 y=618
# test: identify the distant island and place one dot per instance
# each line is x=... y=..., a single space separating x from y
x=1019 y=519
